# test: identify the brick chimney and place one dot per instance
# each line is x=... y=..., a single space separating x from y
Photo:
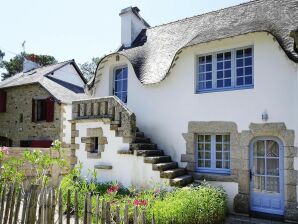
x=131 y=25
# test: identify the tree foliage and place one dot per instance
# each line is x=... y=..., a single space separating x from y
x=89 y=68
x=15 y=64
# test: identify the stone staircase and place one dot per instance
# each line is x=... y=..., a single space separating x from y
x=142 y=146
x=123 y=121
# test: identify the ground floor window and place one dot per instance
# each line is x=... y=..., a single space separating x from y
x=213 y=153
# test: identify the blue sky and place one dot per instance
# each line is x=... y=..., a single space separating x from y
x=82 y=29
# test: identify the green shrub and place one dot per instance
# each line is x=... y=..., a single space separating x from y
x=204 y=204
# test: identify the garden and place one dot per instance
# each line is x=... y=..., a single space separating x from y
x=80 y=197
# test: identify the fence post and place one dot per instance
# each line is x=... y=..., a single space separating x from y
x=97 y=210
x=25 y=202
x=89 y=209
x=68 y=208
x=31 y=217
x=143 y=217
x=135 y=215
x=2 y=203
x=12 y=204
x=8 y=202
x=117 y=214
x=85 y=208
x=40 y=208
x=126 y=221
x=76 y=208
x=60 y=208
x=108 y=213
x=19 y=198
x=53 y=206
x=49 y=207
x=103 y=215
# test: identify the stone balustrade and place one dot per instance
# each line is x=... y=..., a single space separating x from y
x=107 y=108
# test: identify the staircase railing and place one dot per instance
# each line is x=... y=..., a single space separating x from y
x=111 y=108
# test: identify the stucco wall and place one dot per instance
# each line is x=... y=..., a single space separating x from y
x=127 y=169
x=164 y=110
x=69 y=74
x=19 y=100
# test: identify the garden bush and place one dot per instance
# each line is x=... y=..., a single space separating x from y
x=204 y=204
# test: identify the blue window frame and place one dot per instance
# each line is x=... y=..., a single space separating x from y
x=227 y=70
x=120 y=83
x=213 y=153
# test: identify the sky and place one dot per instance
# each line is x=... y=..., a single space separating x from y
x=83 y=29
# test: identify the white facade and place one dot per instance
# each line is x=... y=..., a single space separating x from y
x=163 y=110
x=69 y=74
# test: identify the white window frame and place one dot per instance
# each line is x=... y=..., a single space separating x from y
x=234 y=85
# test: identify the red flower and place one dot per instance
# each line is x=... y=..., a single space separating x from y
x=136 y=202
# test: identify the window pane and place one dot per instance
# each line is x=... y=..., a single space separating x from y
x=220 y=83
x=207 y=155
x=219 y=65
x=248 y=70
x=227 y=64
x=228 y=55
x=227 y=73
x=259 y=166
x=201 y=163
x=259 y=148
x=218 y=138
x=259 y=183
x=248 y=52
x=239 y=81
x=226 y=138
x=207 y=147
x=239 y=62
x=220 y=74
x=218 y=164
x=248 y=80
x=227 y=82
x=244 y=58
x=118 y=74
x=201 y=154
x=272 y=149
x=273 y=167
x=208 y=76
x=208 y=67
x=226 y=165
x=218 y=155
x=239 y=53
x=240 y=72
x=226 y=155
x=201 y=59
x=207 y=163
x=248 y=61
x=124 y=75
x=219 y=57
x=209 y=59
x=201 y=147
x=201 y=138
x=208 y=85
x=207 y=138
x=202 y=68
x=273 y=184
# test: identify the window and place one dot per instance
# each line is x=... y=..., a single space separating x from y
x=94 y=141
x=2 y=101
x=225 y=70
x=41 y=109
x=213 y=153
x=120 y=84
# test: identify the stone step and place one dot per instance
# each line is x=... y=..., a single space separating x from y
x=143 y=146
x=149 y=153
x=170 y=174
x=181 y=181
x=140 y=134
x=114 y=127
x=157 y=159
x=103 y=167
x=142 y=140
x=165 y=166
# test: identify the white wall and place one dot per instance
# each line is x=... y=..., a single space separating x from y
x=127 y=169
x=68 y=74
x=66 y=125
x=163 y=110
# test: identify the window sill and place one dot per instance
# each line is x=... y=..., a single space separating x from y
x=213 y=171
x=224 y=89
x=212 y=176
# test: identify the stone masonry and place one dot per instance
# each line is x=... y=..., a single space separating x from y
x=19 y=104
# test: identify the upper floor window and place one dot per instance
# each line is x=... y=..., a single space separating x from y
x=226 y=70
x=120 y=83
x=213 y=153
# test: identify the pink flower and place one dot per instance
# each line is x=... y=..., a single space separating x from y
x=144 y=202
x=113 y=189
x=5 y=150
x=136 y=202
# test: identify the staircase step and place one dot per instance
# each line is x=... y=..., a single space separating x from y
x=157 y=159
x=142 y=140
x=165 y=166
x=140 y=134
x=103 y=167
x=149 y=153
x=181 y=181
x=170 y=174
x=143 y=146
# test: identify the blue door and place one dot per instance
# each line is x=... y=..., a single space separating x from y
x=266 y=174
x=120 y=84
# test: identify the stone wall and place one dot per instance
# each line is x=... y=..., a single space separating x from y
x=17 y=152
x=19 y=101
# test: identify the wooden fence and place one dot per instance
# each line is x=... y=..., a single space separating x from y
x=46 y=206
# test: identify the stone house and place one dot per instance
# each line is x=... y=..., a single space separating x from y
x=211 y=97
x=35 y=105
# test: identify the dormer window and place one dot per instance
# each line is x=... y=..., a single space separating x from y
x=225 y=70
x=120 y=83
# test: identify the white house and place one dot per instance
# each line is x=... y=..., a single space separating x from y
x=213 y=97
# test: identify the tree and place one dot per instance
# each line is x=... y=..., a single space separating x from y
x=2 y=54
x=89 y=68
x=15 y=64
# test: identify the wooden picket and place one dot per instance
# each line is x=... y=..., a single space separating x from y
x=35 y=205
